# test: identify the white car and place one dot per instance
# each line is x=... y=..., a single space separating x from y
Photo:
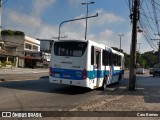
x=140 y=71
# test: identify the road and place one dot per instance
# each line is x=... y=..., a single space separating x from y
x=22 y=74
x=39 y=95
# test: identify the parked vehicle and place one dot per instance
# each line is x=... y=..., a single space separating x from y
x=42 y=64
x=140 y=71
x=156 y=72
x=151 y=70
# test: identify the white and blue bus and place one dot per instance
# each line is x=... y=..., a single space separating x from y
x=85 y=63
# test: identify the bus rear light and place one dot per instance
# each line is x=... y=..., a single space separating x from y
x=84 y=74
x=50 y=71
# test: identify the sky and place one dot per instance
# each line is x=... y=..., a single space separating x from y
x=41 y=19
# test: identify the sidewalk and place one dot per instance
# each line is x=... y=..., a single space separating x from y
x=145 y=98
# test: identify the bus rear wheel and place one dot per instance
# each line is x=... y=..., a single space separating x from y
x=119 y=78
x=104 y=85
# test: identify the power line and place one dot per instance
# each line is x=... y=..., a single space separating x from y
x=147 y=21
x=27 y=10
x=4 y=2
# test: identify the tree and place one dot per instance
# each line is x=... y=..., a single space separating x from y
x=12 y=33
x=20 y=33
x=150 y=58
x=7 y=32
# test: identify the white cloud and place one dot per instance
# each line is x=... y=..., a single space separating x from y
x=40 y=5
x=31 y=23
x=103 y=18
x=105 y=36
x=32 y=26
x=106 y=18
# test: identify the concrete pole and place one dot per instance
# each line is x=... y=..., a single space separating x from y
x=0 y=18
x=158 y=47
x=120 y=41
x=132 y=73
x=139 y=47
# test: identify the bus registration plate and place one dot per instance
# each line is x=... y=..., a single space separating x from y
x=66 y=76
x=57 y=75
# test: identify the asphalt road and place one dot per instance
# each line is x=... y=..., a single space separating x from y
x=22 y=74
x=39 y=95
x=36 y=93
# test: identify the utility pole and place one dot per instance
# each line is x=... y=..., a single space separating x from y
x=139 y=47
x=158 y=47
x=120 y=40
x=132 y=73
x=0 y=18
x=87 y=17
x=59 y=36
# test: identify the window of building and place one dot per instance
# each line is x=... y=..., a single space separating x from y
x=28 y=46
x=35 y=48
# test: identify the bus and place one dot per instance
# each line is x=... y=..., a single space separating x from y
x=85 y=63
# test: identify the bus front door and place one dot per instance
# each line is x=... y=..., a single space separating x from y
x=97 y=67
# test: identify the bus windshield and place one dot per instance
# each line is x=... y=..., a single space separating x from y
x=69 y=48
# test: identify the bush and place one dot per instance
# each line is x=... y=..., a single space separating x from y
x=3 y=65
x=8 y=63
x=12 y=33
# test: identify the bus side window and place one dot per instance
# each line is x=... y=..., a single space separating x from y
x=92 y=55
x=115 y=57
x=119 y=60
x=111 y=59
x=105 y=59
x=97 y=59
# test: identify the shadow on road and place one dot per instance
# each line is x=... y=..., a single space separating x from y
x=146 y=87
x=42 y=85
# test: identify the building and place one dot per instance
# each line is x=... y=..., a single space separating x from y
x=8 y=57
x=24 y=50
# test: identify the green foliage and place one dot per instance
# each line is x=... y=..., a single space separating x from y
x=146 y=60
x=7 y=32
x=12 y=33
x=18 y=33
x=2 y=64
x=150 y=58
x=8 y=63
x=126 y=60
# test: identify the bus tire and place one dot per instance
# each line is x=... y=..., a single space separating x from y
x=104 y=85
x=119 y=78
x=154 y=75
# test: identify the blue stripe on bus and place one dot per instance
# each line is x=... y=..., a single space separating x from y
x=78 y=74
x=67 y=73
